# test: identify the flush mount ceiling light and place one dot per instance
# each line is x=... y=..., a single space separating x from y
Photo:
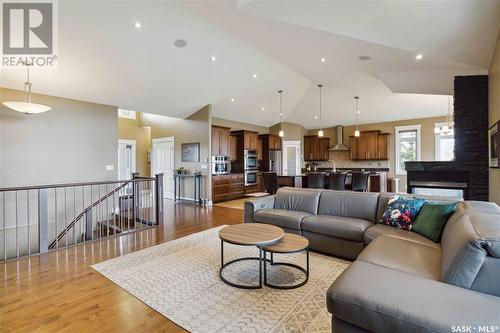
x=26 y=106
x=137 y=24
x=180 y=43
x=281 y=133
x=356 y=132
x=320 y=132
x=419 y=57
x=365 y=58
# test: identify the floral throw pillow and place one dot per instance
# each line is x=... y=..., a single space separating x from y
x=401 y=212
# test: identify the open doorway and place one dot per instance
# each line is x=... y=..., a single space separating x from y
x=291 y=158
x=126 y=159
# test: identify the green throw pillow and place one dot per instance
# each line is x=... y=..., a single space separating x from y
x=432 y=218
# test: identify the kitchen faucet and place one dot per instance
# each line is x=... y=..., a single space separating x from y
x=334 y=167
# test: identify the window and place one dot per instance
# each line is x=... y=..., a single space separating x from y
x=444 y=145
x=129 y=114
x=407 y=146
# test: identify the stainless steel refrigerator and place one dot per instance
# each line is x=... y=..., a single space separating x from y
x=275 y=161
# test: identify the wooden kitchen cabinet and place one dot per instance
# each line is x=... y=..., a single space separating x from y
x=220 y=141
x=233 y=148
x=250 y=140
x=370 y=145
x=316 y=148
x=228 y=187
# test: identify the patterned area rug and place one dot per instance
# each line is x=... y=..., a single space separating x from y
x=180 y=280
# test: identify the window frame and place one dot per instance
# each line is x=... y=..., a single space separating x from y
x=127 y=114
x=437 y=138
x=399 y=129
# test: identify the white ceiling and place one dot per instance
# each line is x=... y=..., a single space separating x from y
x=103 y=58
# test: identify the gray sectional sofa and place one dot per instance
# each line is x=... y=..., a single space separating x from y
x=400 y=281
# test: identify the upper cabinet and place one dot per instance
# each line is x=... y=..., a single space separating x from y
x=220 y=141
x=370 y=145
x=316 y=148
x=250 y=141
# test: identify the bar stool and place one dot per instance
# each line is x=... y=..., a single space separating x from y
x=337 y=181
x=360 y=181
x=270 y=182
x=316 y=180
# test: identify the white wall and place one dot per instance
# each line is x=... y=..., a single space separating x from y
x=73 y=142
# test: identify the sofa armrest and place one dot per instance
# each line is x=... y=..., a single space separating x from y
x=253 y=205
x=379 y=299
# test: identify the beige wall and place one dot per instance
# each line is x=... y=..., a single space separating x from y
x=73 y=142
x=494 y=116
x=195 y=128
x=131 y=129
x=236 y=125
x=342 y=158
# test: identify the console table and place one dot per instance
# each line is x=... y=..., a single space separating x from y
x=179 y=177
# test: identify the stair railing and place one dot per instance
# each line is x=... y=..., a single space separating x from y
x=37 y=219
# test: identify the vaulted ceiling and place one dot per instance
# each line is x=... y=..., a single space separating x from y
x=104 y=58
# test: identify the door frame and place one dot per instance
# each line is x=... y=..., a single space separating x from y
x=284 y=160
x=133 y=143
x=163 y=140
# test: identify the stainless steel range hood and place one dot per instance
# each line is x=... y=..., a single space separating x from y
x=340 y=146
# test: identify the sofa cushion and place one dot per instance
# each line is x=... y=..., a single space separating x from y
x=337 y=226
x=381 y=229
x=405 y=256
x=298 y=199
x=432 y=218
x=466 y=243
x=280 y=217
x=348 y=204
x=401 y=212
x=383 y=199
x=379 y=299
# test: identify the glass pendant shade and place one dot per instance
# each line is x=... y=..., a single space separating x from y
x=356 y=133
x=281 y=133
x=29 y=108
x=320 y=133
x=26 y=106
x=437 y=130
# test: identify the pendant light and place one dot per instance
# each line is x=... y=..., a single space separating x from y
x=26 y=106
x=320 y=132
x=356 y=132
x=447 y=128
x=281 y=133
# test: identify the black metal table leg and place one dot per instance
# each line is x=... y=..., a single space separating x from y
x=273 y=263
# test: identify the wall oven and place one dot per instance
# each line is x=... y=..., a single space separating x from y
x=220 y=165
x=251 y=160
x=250 y=177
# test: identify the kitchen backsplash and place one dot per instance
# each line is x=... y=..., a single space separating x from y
x=342 y=159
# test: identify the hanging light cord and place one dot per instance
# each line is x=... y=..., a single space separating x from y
x=281 y=103
x=320 y=86
x=27 y=84
x=357 y=112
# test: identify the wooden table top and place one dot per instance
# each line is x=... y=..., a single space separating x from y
x=288 y=244
x=251 y=234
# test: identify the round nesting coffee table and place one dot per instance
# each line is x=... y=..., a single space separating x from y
x=290 y=243
x=248 y=234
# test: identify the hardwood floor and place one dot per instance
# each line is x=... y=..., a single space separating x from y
x=60 y=292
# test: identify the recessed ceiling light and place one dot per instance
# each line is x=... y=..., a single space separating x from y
x=281 y=113
x=365 y=58
x=180 y=43
x=232 y=100
x=315 y=117
x=255 y=76
x=262 y=108
x=137 y=24
x=419 y=56
x=323 y=59
x=213 y=58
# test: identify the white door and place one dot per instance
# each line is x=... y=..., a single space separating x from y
x=291 y=158
x=162 y=161
x=126 y=159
